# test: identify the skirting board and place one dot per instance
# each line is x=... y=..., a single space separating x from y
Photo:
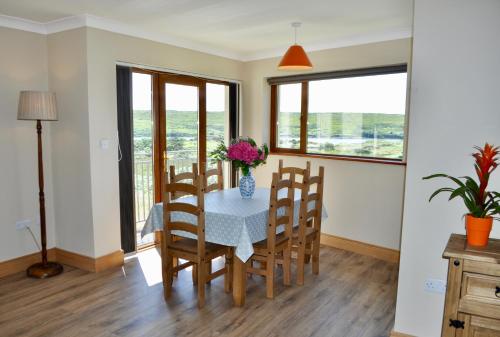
x=22 y=263
x=91 y=264
x=362 y=248
x=399 y=334
x=95 y=265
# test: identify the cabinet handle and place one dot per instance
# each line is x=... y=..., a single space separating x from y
x=497 y=292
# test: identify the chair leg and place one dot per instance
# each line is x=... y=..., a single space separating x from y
x=315 y=255
x=201 y=284
x=228 y=276
x=194 y=274
x=175 y=264
x=287 y=261
x=308 y=256
x=270 y=277
x=168 y=275
x=263 y=265
x=209 y=270
x=301 y=256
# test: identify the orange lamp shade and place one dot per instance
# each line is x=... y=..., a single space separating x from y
x=295 y=58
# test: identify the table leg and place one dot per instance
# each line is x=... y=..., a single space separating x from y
x=239 y=282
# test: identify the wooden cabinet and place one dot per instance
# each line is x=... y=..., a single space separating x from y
x=472 y=305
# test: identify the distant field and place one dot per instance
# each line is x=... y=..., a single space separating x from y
x=365 y=134
x=360 y=134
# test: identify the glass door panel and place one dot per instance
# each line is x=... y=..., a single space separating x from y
x=181 y=125
x=142 y=128
x=217 y=100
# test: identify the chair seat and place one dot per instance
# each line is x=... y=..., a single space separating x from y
x=261 y=246
x=191 y=246
x=309 y=232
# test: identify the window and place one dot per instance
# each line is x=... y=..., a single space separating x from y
x=356 y=113
x=289 y=112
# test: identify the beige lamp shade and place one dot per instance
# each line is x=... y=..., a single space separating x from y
x=37 y=105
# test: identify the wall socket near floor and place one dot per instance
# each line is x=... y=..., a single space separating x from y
x=435 y=286
x=23 y=224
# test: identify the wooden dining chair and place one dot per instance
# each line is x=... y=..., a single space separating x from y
x=218 y=173
x=276 y=243
x=196 y=252
x=306 y=237
x=298 y=172
x=177 y=178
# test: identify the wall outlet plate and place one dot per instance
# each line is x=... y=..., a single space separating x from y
x=22 y=224
x=435 y=286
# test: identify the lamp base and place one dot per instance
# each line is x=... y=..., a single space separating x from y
x=40 y=270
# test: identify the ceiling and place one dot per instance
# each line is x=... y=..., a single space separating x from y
x=247 y=28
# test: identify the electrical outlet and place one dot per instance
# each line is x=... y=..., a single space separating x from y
x=22 y=224
x=435 y=286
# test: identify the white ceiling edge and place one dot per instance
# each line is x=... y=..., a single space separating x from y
x=339 y=43
x=86 y=20
x=22 y=24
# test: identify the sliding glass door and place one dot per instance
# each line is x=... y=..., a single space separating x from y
x=176 y=120
x=193 y=119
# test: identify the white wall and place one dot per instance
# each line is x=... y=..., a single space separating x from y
x=23 y=66
x=454 y=105
x=104 y=49
x=360 y=207
x=70 y=142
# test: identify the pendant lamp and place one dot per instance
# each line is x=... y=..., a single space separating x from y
x=295 y=57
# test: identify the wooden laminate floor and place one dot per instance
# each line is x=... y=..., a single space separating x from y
x=354 y=295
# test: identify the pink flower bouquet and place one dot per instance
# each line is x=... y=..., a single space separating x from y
x=243 y=153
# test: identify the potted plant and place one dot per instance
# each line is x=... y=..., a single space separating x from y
x=482 y=205
x=245 y=155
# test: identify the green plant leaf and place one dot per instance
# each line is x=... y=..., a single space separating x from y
x=443 y=189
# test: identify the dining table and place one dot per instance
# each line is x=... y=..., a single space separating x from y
x=231 y=221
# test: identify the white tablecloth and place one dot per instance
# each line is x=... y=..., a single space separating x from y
x=229 y=219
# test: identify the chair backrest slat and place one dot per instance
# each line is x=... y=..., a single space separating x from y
x=183 y=226
x=187 y=189
x=183 y=207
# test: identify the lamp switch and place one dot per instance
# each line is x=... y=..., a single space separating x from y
x=104 y=144
x=22 y=224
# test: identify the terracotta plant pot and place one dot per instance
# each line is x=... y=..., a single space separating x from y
x=478 y=230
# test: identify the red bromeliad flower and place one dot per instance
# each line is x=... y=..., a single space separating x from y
x=480 y=202
x=486 y=162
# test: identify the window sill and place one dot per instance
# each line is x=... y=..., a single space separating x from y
x=337 y=157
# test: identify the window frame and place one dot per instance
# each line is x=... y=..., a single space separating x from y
x=274 y=82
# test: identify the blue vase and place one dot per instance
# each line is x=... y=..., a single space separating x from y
x=247 y=186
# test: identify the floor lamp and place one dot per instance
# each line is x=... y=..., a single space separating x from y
x=40 y=106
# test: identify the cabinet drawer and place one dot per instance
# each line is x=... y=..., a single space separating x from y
x=478 y=267
x=480 y=295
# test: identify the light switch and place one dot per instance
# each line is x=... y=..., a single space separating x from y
x=104 y=144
